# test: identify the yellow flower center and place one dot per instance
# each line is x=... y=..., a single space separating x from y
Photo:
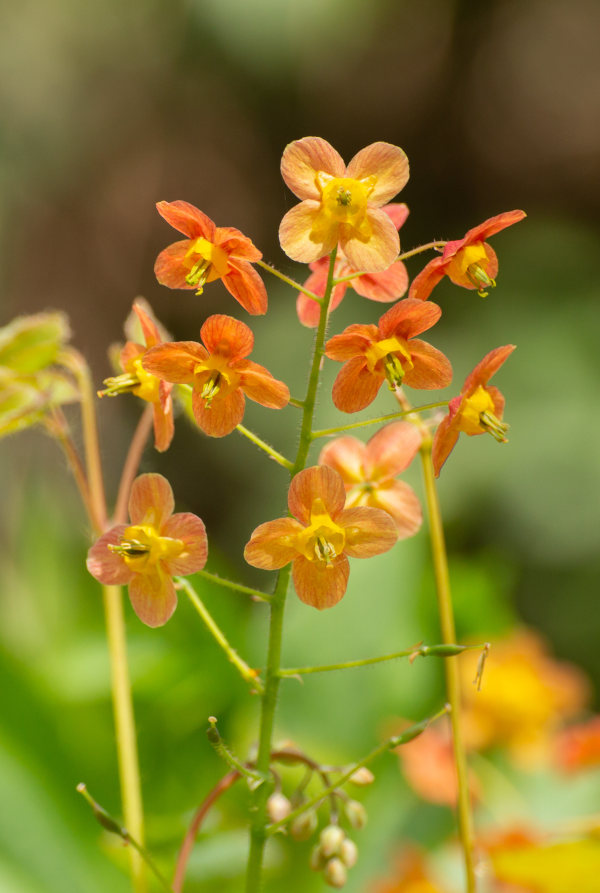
x=209 y=262
x=471 y=263
x=136 y=381
x=391 y=357
x=477 y=415
x=142 y=547
x=214 y=376
x=323 y=539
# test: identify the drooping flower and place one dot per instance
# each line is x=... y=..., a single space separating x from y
x=321 y=538
x=137 y=380
x=478 y=409
x=219 y=373
x=385 y=286
x=469 y=261
x=389 y=351
x=342 y=204
x=369 y=472
x=148 y=552
x=210 y=252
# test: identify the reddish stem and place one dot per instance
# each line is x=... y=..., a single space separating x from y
x=132 y=463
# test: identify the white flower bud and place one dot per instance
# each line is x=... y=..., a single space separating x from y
x=278 y=807
x=335 y=873
x=331 y=839
x=362 y=777
x=317 y=859
x=304 y=825
x=356 y=814
x=348 y=853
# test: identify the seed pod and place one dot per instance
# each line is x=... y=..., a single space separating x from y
x=335 y=873
x=348 y=853
x=331 y=839
x=356 y=814
x=304 y=826
x=278 y=807
x=362 y=777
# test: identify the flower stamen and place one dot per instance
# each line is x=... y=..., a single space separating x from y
x=211 y=388
x=493 y=425
x=480 y=279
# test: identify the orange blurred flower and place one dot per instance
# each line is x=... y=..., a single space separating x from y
x=210 y=252
x=219 y=373
x=409 y=876
x=429 y=767
x=369 y=471
x=342 y=204
x=136 y=380
x=156 y=546
x=372 y=354
x=578 y=746
x=469 y=261
x=478 y=409
x=385 y=286
x=319 y=542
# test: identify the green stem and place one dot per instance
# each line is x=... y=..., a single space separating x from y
x=265 y=446
x=230 y=758
x=403 y=256
x=272 y=677
x=442 y=579
x=247 y=673
x=288 y=281
x=418 y=651
x=326 y=432
x=237 y=587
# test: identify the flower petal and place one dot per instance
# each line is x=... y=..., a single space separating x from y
x=259 y=385
x=397 y=212
x=316 y=482
x=408 y=318
x=318 y=584
x=493 y=225
x=391 y=450
x=490 y=265
x=223 y=414
x=187 y=219
x=174 y=361
x=270 y=547
x=164 y=425
x=401 y=502
x=497 y=399
x=129 y=353
x=431 y=369
x=108 y=567
x=151 y=500
x=227 y=336
x=352 y=342
x=173 y=264
x=236 y=244
x=376 y=253
x=355 y=387
x=153 y=597
x=243 y=282
x=301 y=238
x=487 y=367
x=149 y=327
x=346 y=456
x=425 y=281
x=386 y=286
x=191 y=531
x=444 y=442
x=303 y=159
x=309 y=311
x=369 y=531
x=387 y=163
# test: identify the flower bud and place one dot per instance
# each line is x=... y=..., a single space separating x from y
x=335 y=873
x=348 y=853
x=317 y=859
x=278 y=807
x=331 y=839
x=362 y=777
x=356 y=814
x=303 y=826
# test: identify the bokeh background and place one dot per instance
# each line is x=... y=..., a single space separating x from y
x=109 y=107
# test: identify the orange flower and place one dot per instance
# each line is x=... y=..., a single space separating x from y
x=386 y=286
x=429 y=766
x=319 y=542
x=578 y=746
x=210 y=252
x=369 y=471
x=388 y=351
x=342 y=204
x=410 y=876
x=478 y=409
x=153 y=548
x=219 y=374
x=469 y=261
x=143 y=384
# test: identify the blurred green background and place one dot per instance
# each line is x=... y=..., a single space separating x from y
x=110 y=107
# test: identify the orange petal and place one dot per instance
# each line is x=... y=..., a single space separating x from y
x=487 y=367
x=408 y=318
x=355 y=387
x=493 y=225
x=444 y=442
x=316 y=482
x=149 y=327
x=223 y=414
x=386 y=286
x=391 y=450
x=497 y=399
x=401 y=502
x=431 y=369
x=227 y=336
x=491 y=268
x=164 y=426
x=153 y=597
x=346 y=456
x=352 y=342
x=397 y=212
x=369 y=531
x=236 y=244
x=191 y=531
x=387 y=163
x=106 y=566
x=318 y=584
x=303 y=159
x=270 y=544
x=172 y=266
x=174 y=361
x=129 y=353
x=300 y=236
x=377 y=252
x=258 y=384
x=187 y=219
x=243 y=282
x=309 y=311
x=424 y=283
x=151 y=500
